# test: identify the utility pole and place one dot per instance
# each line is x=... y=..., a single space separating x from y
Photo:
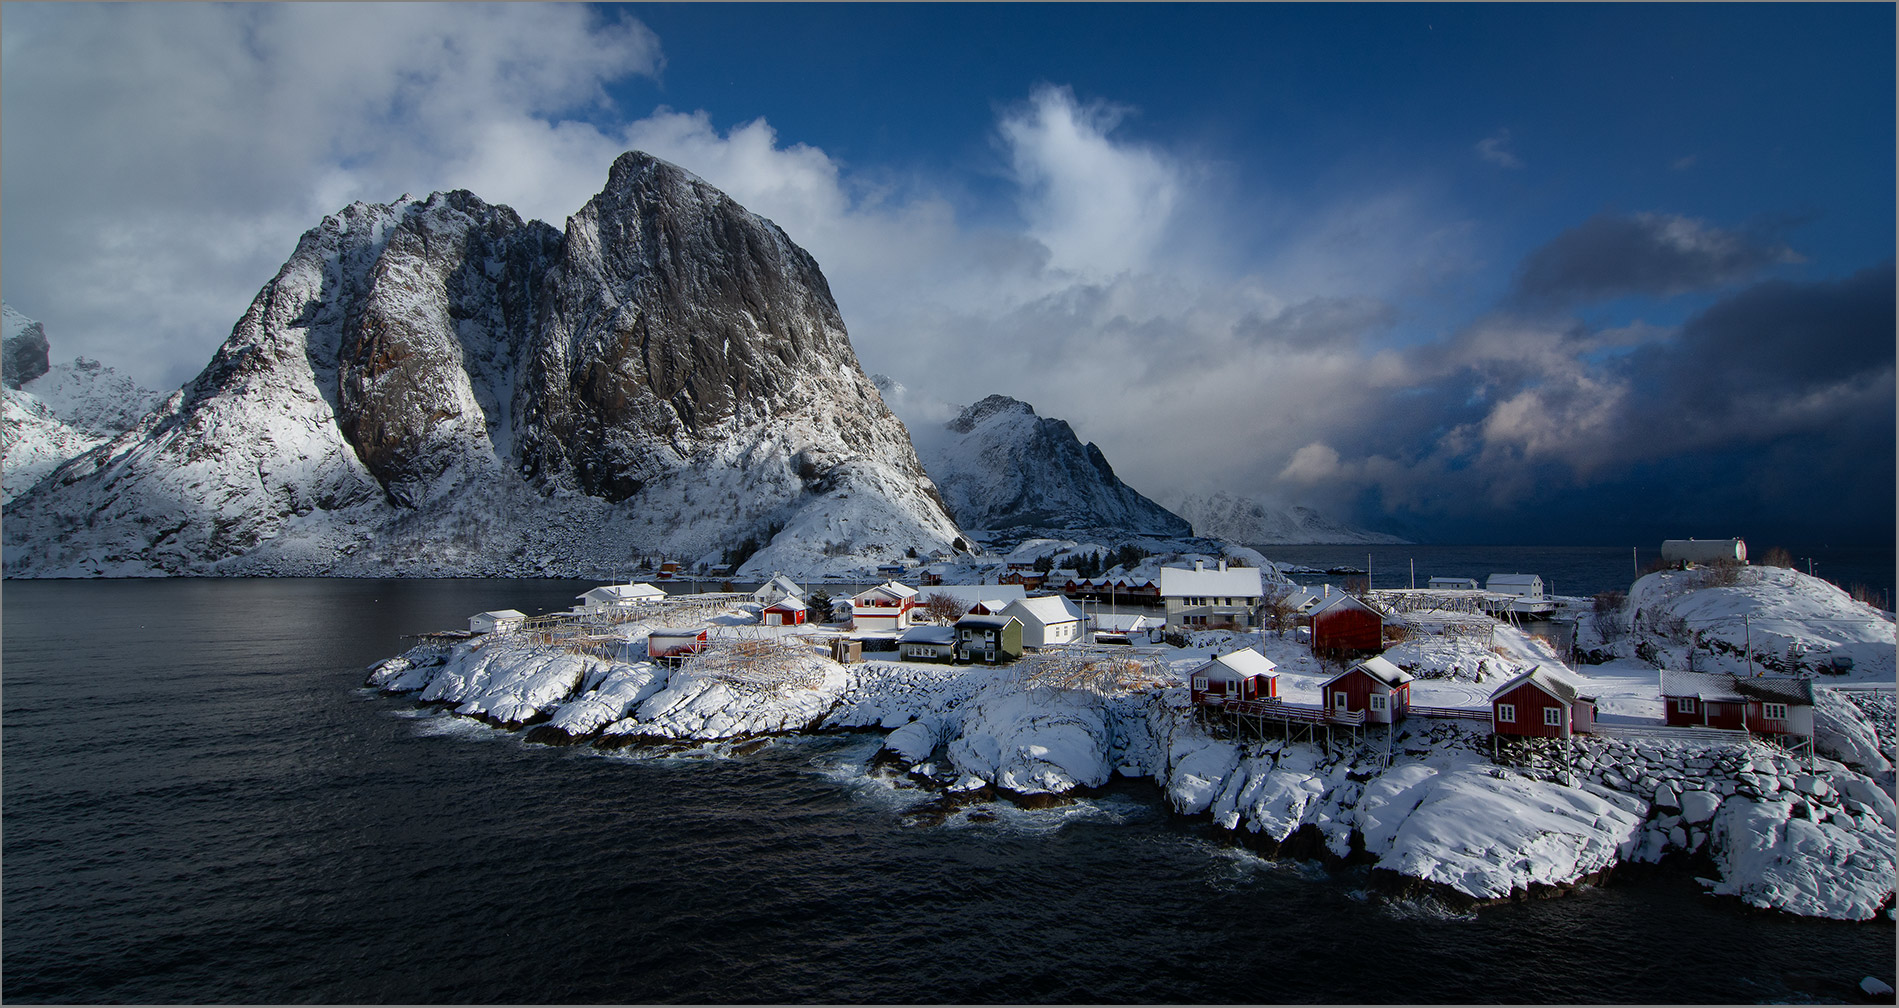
x=1635 y=566
x=1747 y=632
x=1414 y=572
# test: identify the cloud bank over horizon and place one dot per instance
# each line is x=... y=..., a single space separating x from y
x=1367 y=345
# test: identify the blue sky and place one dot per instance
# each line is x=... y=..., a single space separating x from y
x=1472 y=273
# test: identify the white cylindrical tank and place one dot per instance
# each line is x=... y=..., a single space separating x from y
x=1703 y=550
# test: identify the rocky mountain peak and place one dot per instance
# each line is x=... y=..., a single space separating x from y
x=24 y=350
x=986 y=408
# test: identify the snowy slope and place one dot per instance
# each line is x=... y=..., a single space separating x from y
x=999 y=465
x=1236 y=519
x=1786 y=621
x=57 y=412
x=438 y=387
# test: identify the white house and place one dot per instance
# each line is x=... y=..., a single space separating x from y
x=1204 y=598
x=498 y=621
x=1529 y=586
x=623 y=596
x=1047 y=621
x=1120 y=628
x=883 y=607
x=777 y=588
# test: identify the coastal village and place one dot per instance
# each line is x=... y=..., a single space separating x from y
x=1666 y=739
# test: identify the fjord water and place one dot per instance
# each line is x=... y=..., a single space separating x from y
x=201 y=803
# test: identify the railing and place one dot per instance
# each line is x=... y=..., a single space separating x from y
x=1290 y=712
x=1448 y=712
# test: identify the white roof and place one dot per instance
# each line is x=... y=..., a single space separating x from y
x=1378 y=668
x=1123 y=622
x=676 y=631
x=1240 y=581
x=1244 y=662
x=780 y=583
x=791 y=603
x=891 y=588
x=622 y=593
x=503 y=614
x=1514 y=579
x=1558 y=684
x=1350 y=602
x=1046 y=610
x=972 y=594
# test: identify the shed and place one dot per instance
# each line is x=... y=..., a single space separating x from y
x=928 y=643
x=1704 y=551
x=1543 y=703
x=1452 y=583
x=1376 y=686
x=787 y=611
x=498 y=621
x=1121 y=628
x=988 y=638
x=675 y=644
x=1047 y=620
x=1242 y=675
x=1343 y=624
x=843 y=650
x=620 y=596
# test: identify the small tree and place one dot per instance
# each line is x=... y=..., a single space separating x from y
x=1280 y=610
x=1045 y=564
x=819 y=605
x=944 y=607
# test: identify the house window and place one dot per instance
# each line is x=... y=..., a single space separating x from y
x=1232 y=687
x=1774 y=711
x=1507 y=713
x=1377 y=701
x=1686 y=705
x=1200 y=683
x=1553 y=716
x=1341 y=699
x=988 y=656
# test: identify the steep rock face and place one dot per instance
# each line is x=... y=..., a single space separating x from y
x=1004 y=467
x=23 y=348
x=438 y=387
x=1239 y=520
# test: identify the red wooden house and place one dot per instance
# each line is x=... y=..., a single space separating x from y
x=787 y=611
x=1377 y=687
x=1345 y=625
x=674 y=645
x=1243 y=675
x=1764 y=705
x=1542 y=703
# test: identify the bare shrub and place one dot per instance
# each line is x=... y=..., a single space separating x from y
x=1777 y=557
x=1608 y=613
x=1721 y=574
x=944 y=608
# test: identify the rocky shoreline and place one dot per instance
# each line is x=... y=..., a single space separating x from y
x=1443 y=818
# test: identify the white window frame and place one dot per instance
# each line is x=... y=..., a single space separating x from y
x=1233 y=687
x=1768 y=709
x=1200 y=683
x=1507 y=713
x=1341 y=700
x=1685 y=705
x=1378 y=702
x=989 y=655
x=1552 y=717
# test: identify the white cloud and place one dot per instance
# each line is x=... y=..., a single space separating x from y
x=1495 y=149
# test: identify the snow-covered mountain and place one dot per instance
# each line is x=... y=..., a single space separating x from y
x=55 y=412
x=438 y=387
x=999 y=466
x=1240 y=520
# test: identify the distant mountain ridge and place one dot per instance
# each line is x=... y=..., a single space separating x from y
x=438 y=387
x=999 y=466
x=1240 y=520
x=54 y=412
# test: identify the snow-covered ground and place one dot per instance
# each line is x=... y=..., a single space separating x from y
x=1816 y=840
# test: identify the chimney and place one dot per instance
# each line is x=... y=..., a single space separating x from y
x=1328 y=591
x=1199 y=565
x=1223 y=564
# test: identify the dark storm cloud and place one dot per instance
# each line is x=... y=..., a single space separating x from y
x=1610 y=256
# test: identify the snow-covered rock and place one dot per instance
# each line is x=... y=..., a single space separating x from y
x=999 y=466
x=1786 y=621
x=1771 y=857
x=438 y=387
x=1036 y=741
x=1236 y=519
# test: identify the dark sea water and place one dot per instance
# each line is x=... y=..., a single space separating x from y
x=201 y=803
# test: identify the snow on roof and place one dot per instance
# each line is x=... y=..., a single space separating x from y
x=891 y=588
x=781 y=583
x=504 y=614
x=790 y=603
x=622 y=593
x=1378 y=668
x=1123 y=622
x=972 y=594
x=1558 y=684
x=1512 y=580
x=676 y=631
x=1046 y=610
x=1241 y=581
x=1244 y=662
x=1348 y=601
x=928 y=635
x=980 y=620
x=1721 y=687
